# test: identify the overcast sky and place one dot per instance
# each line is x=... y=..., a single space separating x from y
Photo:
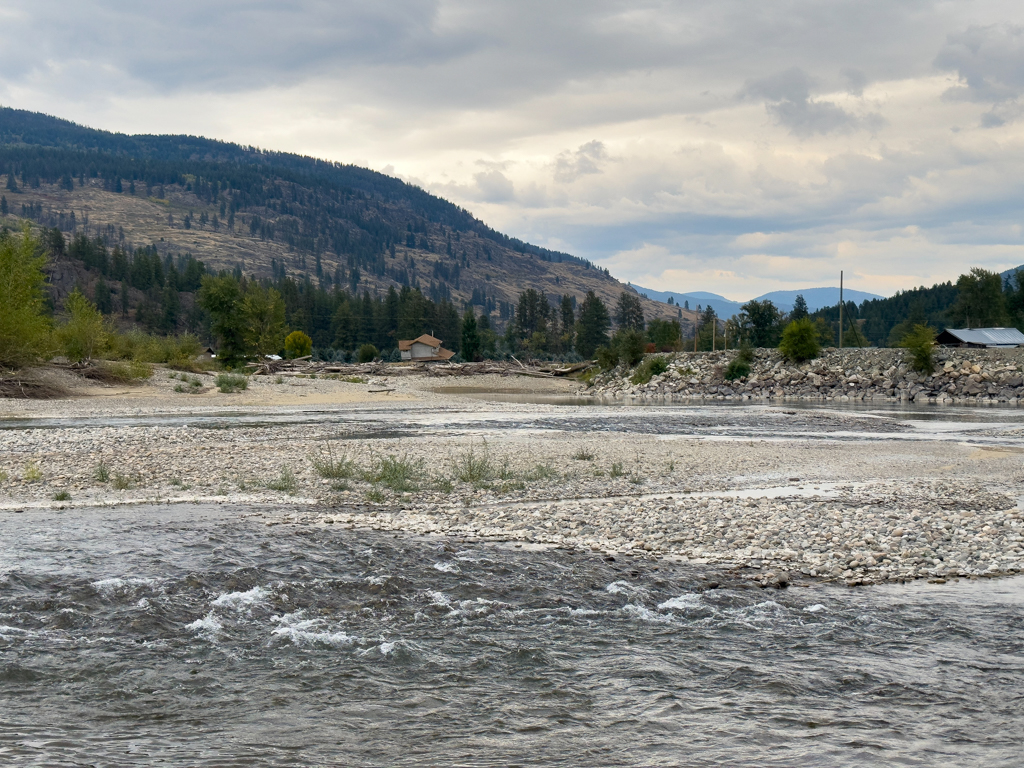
x=734 y=147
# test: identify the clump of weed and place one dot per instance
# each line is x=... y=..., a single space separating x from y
x=279 y=379
x=474 y=467
x=102 y=474
x=505 y=471
x=122 y=482
x=398 y=473
x=444 y=484
x=32 y=473
x=541 y=472
x=284 y=482
x=375 y=495
x=616 y=470
x=354 y=379
x=333 y=467
x=228 y=383
x=583 y=455
x=62 y=496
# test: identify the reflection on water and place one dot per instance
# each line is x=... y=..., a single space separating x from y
x=187 y=636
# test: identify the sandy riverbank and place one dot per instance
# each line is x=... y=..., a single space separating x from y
x=859 y=497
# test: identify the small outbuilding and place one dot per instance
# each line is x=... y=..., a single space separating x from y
x=206 y=355
x=994 y=338
x=424 y=349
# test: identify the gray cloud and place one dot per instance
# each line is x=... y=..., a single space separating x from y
x=860 y=143
x=569 y=166
x=990 y=63
x=788 y=99
x=494 y=186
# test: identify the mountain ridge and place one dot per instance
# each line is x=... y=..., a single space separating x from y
x=266 y=213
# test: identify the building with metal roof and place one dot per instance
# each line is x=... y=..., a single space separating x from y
x=997 y=338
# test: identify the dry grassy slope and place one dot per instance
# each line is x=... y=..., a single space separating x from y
x=146 y=221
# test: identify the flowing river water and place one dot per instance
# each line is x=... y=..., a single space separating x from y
x=194 y=636
x=191 y=635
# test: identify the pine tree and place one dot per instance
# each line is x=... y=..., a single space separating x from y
x=629 y=312
x=799 y=308
x=592 y=327
x=470 y=337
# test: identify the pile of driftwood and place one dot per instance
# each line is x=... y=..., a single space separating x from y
x=306 y=366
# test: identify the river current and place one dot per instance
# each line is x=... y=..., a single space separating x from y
x=193 y=636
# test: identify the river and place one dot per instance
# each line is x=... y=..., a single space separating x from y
x=195 y=636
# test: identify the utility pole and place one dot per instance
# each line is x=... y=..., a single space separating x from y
x=840 y=309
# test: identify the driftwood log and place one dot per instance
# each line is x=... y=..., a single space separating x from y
x=305 y=366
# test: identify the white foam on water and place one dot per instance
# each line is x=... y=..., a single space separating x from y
x=684 y=602
x=817 y=607
x=240 y=601
x=447 y=568
x=585 y=612
x=7 y=632
x=438 y=598
x=121 y=583
x=378 y=580
x=309 y=632
x=143 y=603
x=625 y=588
x=644 y=613
x=208 y=626
x=386 y=648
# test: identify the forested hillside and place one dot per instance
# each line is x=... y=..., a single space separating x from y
x=124 y=203
x=978 y=299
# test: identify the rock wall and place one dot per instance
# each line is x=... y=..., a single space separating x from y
x=960 y=376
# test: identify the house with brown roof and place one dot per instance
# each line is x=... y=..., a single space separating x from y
x=424 y=349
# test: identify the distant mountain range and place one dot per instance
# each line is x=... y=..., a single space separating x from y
x=816 y=298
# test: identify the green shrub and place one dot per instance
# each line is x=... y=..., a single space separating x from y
x=541 y=472
x=285 y=482
x=397 y=473
x=607 y=357
x=739 y=366
x=62 y=496
x=127 y=372
x=331 y=467
x=297 y=344
x=231 y=382
x=102 y=474
x=122 y=482
x=368 y=353
x=24 y=327
x=32 y=473
x=473 y=467
x=800 y=341
x=630 y=345
x=583 y=455
x=920 y=342
x=84 y=334
x=651 y=367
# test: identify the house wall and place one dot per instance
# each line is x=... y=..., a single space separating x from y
x=422 y=350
